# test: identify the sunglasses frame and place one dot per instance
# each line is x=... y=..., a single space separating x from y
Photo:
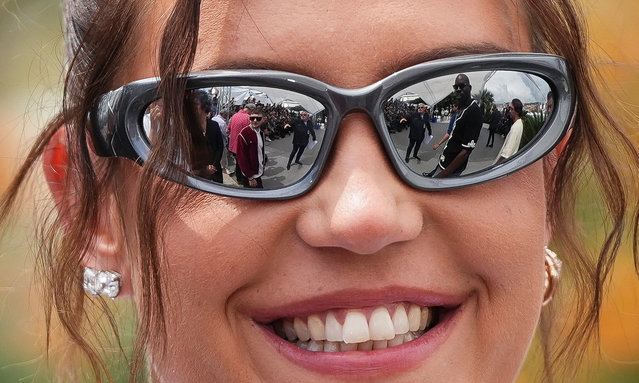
x=117 y=128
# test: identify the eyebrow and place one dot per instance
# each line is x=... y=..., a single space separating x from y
x=414 y=58
x=392 y=66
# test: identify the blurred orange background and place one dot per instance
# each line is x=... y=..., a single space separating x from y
x=30 y=87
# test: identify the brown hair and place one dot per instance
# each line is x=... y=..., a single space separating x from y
x=519 y=107
x=96 y=61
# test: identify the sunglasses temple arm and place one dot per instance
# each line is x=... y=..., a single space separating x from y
x=107 y=127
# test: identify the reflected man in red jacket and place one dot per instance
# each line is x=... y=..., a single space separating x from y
x=250 y=150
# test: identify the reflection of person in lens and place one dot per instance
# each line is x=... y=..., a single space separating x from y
x=513 y=139
x=206 y=139
x=228 y=161
x=495 y=118
x=418 y=122
x=250 y=150
x=238 y=121
x=451 y=126
x=301 y=129
x=464 y=137
x=549 y=102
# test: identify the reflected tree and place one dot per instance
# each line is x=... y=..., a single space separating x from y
x=486 y=100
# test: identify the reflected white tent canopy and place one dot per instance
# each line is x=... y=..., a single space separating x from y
x=286 y=98
x=504 y=85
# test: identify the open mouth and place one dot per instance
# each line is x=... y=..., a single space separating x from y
x=365 y=329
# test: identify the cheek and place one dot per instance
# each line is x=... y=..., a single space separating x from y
x=211 y=249
x=218 y=247
x=209 y=246
x=501 y=240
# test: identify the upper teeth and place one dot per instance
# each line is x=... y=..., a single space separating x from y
x=358 y=327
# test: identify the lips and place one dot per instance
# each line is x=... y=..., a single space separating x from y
x=369 y=328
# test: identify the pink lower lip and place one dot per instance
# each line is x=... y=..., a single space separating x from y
x=362 y=364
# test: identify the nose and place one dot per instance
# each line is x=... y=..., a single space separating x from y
x=360 y=204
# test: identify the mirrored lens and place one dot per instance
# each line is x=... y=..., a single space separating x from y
x=227 y=144
x=471 y=129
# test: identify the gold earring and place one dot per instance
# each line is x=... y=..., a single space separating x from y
x=553 y=272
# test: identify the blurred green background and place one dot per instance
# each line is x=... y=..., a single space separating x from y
x=31 y=63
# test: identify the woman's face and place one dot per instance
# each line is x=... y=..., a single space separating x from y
x=361 y=241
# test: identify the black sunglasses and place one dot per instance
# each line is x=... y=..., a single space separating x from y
x=255 y=118
x=122 y=123
x=459 y=86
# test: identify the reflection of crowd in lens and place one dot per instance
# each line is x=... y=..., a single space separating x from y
x=276 y=118
x=395 y=111
x=212 y=153
x=235 y=144
x=465 y=126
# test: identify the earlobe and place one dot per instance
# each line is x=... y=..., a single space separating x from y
x=106 y=251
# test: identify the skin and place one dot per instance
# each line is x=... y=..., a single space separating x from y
x=482 y=243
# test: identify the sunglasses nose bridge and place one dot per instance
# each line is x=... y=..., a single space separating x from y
x=355 y=100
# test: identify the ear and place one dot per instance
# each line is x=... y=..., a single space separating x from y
x=562 y=145
x=106 y=251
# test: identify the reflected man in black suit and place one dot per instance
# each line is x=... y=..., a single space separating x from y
x=301 y=129
x=418 y=122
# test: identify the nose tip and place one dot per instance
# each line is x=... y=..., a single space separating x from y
x=364 y=219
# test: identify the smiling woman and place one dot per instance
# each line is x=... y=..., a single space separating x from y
x=360 y=263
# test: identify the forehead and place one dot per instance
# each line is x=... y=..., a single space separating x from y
x=383 y=36
x=461 y=79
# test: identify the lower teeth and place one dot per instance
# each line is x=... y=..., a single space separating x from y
x=327 y=346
